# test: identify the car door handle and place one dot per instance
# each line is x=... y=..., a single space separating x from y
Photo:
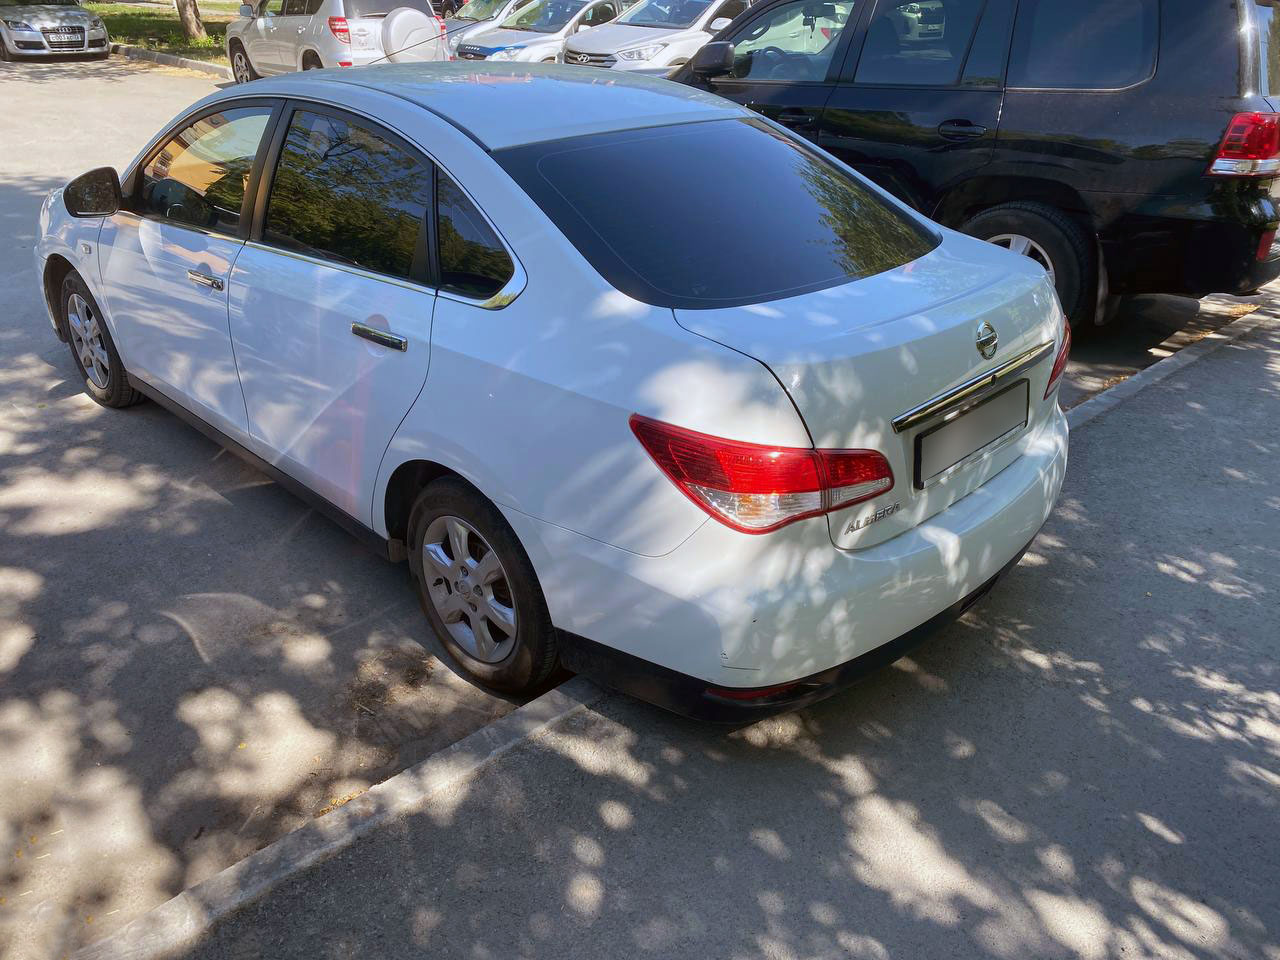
x=302 y=30
x=961 y=130
x=213 y=283
x=793 y=117
x=381 y=337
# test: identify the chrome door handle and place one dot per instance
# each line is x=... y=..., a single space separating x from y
x=213 y=283
x=381 y=337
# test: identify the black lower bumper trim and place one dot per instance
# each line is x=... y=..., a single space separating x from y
x=691 y=697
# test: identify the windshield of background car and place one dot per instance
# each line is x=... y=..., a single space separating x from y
x=42 y=3
x=682 y=234
x=380 y=8
x=665 y=13
x=479 y=9
x=545 y=16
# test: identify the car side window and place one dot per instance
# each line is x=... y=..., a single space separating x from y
x=990 y=47
x=274 y=8
x=198 y=178
x=473 y=261
x=918 y=42
x=294 y=8
x=600 y=13
x=344 y=192
x=730 y=9
x=792 y=41
x=313 y=7
x=1085 y=45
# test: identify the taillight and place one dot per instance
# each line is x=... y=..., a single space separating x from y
x=1251 y=147
x=1060 y=361
x=441 y=22
x=1267 y=246
x=338 y=27
x=754 y=488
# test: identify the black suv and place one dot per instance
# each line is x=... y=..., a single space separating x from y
x=1126 y=144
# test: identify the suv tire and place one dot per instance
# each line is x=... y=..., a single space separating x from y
x=241 y=66
x=452 y=532
x=92 y=347
x=1054 y=237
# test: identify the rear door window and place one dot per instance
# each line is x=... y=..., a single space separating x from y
x=684 y=234
x=918 y=42
x=347 y=193
x=1085 y=44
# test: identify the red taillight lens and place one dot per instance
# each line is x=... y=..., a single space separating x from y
x=441 y=22
x=1251 y=147
x=1060 y=361
x=1266 y=246
x=340 y=30
x=755 y=488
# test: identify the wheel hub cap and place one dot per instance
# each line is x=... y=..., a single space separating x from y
x=468 y=586
x=87 y=341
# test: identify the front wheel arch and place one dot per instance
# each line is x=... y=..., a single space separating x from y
x=56 y=269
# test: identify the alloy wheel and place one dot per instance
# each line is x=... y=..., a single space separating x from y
x=469 y=588
x=1026 y=247
x=240 y=67
x=87 y=342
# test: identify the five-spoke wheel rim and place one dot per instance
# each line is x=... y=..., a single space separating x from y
x=240 y=64
x=87 y=342
x=468 y=587
x=1026 y=247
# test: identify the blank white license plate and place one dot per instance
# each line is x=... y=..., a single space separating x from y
x=361 y=40
x=944 y=447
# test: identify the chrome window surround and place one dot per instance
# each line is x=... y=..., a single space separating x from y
x=958 y=399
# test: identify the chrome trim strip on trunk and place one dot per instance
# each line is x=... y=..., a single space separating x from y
x=972 y=390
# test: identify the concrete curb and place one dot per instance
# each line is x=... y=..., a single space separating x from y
x=176 y=925
x=169 y=60
x=1112 y=397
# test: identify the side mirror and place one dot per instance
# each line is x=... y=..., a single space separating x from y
x=718 y=24
x=714 y=59
x=247 y=11
x=93 y=194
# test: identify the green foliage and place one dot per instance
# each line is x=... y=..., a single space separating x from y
x=157 y=28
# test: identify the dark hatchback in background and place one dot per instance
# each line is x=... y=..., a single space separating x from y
x=1129 y=145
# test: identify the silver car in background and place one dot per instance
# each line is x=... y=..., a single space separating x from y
x=536 y=33
x=283 y=36
x=476 y=16
x=51 y=29
x=654 y=36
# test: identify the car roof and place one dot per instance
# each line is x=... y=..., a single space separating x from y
x=508 y=105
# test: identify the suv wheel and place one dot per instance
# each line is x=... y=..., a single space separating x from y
x=1052 y=239
x=311 y=61
x=478 y=588
x=90 y=342
x=241 y=67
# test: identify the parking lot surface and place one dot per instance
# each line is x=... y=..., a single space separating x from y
x=191 y=661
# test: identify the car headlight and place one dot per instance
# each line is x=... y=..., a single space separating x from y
x=20 y=25
x=641 y=53
x=96 y=24
x=506 y=53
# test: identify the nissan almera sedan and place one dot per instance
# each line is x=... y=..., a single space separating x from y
x=638 y=382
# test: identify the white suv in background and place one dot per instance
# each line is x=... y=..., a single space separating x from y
x=282 y=36
x=654 y=36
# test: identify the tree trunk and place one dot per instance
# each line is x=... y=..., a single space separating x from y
x=189 y=17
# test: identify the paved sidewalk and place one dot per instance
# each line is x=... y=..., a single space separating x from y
x=1087 y=766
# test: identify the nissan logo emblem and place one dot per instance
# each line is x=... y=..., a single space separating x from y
x=988 y=340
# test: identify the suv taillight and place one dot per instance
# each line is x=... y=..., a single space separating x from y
x=1251 y=147
x=754 y=488
x=338 y=27
x=1060 y=361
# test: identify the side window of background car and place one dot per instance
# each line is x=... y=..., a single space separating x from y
x=273 y=8
x=198 y=178
x=294 y=8
x=792 y=41
x=473 y=261
x=343 y=192
x=918 y=42
x=600 y=13
x=730 y=9
x=1085 y=45
x=313 y=7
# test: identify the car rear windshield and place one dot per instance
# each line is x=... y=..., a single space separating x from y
x=380 y=8
x=714 y=214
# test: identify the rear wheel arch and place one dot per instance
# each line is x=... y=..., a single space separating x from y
x=971 y=197
x=403 y=487
x=311 y=60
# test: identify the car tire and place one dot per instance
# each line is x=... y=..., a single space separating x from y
x=92 y=348
x=465 y=609
x=5 y=55
x=1052 y=238
x=311 y=61
x=241 y=66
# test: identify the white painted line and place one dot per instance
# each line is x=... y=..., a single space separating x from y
x=1114 y=396
x=178 y=924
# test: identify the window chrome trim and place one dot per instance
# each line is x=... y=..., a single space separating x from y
x=509 y=291
x=958 y=399
x=339 y=265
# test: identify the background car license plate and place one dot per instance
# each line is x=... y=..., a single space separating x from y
x=945 y=446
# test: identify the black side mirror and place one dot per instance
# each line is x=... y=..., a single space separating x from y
x=93 y=194
x=714 y=59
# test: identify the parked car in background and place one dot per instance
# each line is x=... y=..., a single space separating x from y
x=282 y=36
x=477 y=15
x=724 y=453
x=1129 y=146
x=653 y=36
x=536 y=33
x=51 y=28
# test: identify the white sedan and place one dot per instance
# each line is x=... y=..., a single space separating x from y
x=638 y=382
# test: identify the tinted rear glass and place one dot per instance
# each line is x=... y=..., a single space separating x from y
x=1084 y=45
x=1268 y=26
x=355 y=9
x=714 y=214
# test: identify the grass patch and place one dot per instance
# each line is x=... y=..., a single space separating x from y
x=157 y=28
